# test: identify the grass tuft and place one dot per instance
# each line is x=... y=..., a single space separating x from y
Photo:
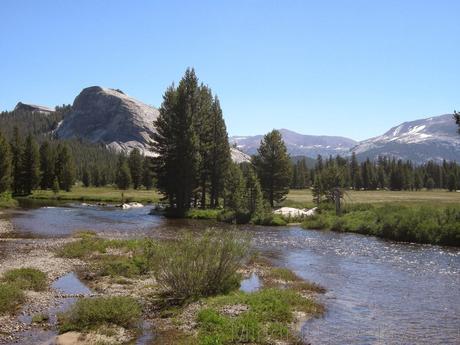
x=90 y=313
x=10 y=298
x=26 y=279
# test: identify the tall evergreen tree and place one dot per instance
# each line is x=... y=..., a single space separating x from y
x=354 y=172
x=234 y=196
x=17 y=149
x=273 y=167
x=86 y=178
x=452 y=182
x=123 y=178
x=457 y=120
x=65 y=168
x=219 y=156
x=5 y=165
x=176 y=143
x=30 y=166
x=147 y=174
x=253 y=194
x=95 y=176
x=317 y=190
x=47 y=165
x=135 y=167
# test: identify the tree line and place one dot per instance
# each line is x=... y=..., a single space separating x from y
x=383 y=173
x=25 y=166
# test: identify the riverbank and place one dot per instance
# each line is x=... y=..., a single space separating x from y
x=111 y=267
x=434 y=224
x=37 y=254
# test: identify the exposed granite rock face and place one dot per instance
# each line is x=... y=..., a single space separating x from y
x=109 y=116
x=239 y=156
x=33 y=107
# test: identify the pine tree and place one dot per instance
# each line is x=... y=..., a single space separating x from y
x=273 y=167
x=253 y=194
x=147 y=174
x=65 y=168
x=317 y=190
x=452 y=182
x=176 y=143
x=30 y=166
x=5 y=165
x=418 y=181
x=123 y=178
x=234 y=196
x=430 y=184
x=86 y=179
x=355 y=172
x=135 y=167
x=457 y=120
x=95 y=176
x=55 y=186
x=47 y=166
x=17 y=149
x=219 y=157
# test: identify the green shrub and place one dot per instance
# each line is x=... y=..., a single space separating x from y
x=203 y=213
x=89 y=313
x=269 y=219
x=40 y=318
x=422 y=224
x=124 y=266
x=7 y=201
x=200 y=265
x=317 y=222
x=26 y=278
x=10 y=297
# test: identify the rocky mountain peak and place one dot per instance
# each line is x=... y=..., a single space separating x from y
x=111 y=117
x=33 y=107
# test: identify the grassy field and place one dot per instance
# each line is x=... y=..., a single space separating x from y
x=102 y=194
x=303 y=198
x=296 y=198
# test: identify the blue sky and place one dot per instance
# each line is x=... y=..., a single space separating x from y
x=351 y=68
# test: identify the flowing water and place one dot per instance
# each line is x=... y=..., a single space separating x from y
x=379 y=292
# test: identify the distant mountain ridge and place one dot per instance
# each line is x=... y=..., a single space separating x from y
x=300 y=144
x=434 y=138
x=109 y=116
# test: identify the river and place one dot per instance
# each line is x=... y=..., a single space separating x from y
x=378 y=292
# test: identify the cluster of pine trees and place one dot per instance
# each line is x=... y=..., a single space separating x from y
x=193 y=162
x=134 y=170
x=191 y=145
x=25 y=166
x=384 y=173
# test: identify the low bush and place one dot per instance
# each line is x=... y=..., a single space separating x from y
x=200 y=265
x=318 y=222
x=7 y=201
x=90 y=313
x=10 y=298
x=203 y=213
x=26 y=279
x=269 y=219
x=125 y=266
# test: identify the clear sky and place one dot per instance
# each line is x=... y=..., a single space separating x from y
x=344 y=67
